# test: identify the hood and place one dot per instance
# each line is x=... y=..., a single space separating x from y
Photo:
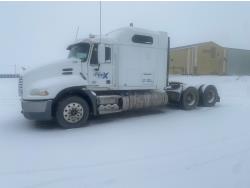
x=51 y=69
x=52 y=77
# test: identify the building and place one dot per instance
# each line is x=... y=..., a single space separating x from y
x=209 y=58
x=238 y=61
x=202 y=58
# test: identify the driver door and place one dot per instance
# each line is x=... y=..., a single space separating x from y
x=100 y=74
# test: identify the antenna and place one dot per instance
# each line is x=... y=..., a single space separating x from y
x=77 y=30
x=100 y=26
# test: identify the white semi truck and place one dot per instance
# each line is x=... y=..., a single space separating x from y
x=126 y=69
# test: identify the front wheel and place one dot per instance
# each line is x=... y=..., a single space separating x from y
x=72 y=112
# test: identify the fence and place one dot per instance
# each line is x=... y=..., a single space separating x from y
x=9 y=75
x=13 y=70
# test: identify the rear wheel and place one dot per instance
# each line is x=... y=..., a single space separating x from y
x=209 y=96
x=72 y=112
x=190 y=98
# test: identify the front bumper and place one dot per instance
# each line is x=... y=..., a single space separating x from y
x=37 y=110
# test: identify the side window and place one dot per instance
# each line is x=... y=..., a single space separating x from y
x=107 y=54
x=143 y=39
x=94 y=56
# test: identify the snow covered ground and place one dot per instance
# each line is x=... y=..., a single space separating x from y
x=203 y=148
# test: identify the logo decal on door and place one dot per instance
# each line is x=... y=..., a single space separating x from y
x=102 y=75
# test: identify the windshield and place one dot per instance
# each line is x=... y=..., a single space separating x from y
x=79 y=51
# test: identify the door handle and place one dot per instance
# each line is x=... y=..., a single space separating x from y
x=97 y=68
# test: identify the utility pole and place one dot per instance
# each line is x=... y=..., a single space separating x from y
x=100 y=19
x=77 y=30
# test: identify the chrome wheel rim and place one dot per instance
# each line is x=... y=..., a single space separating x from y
x=190 y=99
x=211 y=96
x=73 y=112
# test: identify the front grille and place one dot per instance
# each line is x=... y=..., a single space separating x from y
x=20 y=86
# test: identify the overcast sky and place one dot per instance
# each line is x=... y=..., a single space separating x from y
x=33 y=33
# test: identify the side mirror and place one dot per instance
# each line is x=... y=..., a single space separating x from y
x=101 y=53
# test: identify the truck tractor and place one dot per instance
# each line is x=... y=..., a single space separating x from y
x=126 y=69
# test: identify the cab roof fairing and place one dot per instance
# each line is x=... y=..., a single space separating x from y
x=121 y=36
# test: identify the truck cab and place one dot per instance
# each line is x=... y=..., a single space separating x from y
x=125 y=69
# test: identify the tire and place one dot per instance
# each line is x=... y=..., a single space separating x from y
x=208 y=96
x=190 y=98
x=72 y=112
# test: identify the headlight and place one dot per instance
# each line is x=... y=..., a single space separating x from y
x=39 y=92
